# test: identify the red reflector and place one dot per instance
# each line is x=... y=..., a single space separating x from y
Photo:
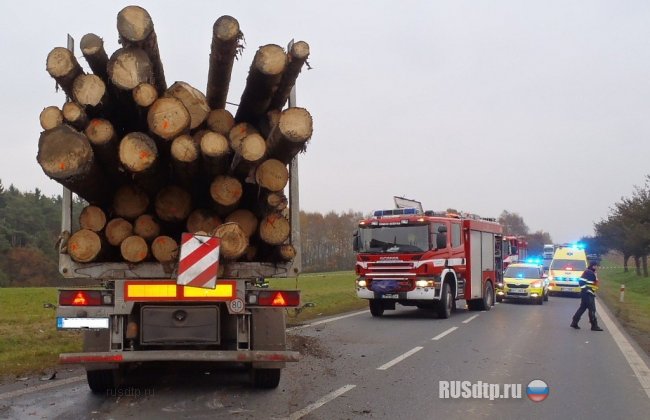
x=80 y=298
x=279 y=298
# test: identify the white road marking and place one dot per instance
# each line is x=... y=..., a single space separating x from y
x=400 y=358
x=470 y=318
x=444 y=333
x=635 y=361
x=327 y=398
x=325 y=321
x=37 y=388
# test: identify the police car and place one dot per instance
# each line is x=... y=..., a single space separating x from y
x=524 y=281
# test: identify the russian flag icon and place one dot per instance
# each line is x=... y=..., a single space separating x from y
x=537 y=390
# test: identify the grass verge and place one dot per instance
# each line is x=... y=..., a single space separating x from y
x=634 y=312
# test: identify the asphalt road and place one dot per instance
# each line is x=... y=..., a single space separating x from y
x=357 y=366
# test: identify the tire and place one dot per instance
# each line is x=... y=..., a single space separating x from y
x=266 y=378
x=487 y=302
x=376 y=308
x=101 y=381
x=446 y=302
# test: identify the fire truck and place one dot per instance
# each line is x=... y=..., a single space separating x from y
x=427 y=259
x=515 y=249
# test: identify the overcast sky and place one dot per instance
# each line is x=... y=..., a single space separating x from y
x=538 y=107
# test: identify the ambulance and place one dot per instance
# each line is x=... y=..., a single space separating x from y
x=569 y=262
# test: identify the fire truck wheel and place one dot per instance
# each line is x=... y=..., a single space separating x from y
x=376 y=307
x=100 y=381
x=446 y=300
x=488 y=297
x=266 y=378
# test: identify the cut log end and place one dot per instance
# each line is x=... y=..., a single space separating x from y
x=270 y=60
x=203 y=220
x=226 y=28
x=60 y=62
x=91 y=44
x=130 y=202
x=272 y=175
x=185 y=149
x=252 y=148
x=88 y=90
x=84 y=246
x=168 y=118
x=245 y=219
x=286 y=252
x=164 y=249
x=74 y=114
x=137 y=152
x=64 y=152
x=117 y=230
x=134 y=249
x=275 y=229
x=233 y=242
x=194 y=101
x=226 y=190
x=213 y=144
x=300 y=50
x=134 y=23
x=145 y=94
x=220 y=121
x=51 y=117
x=128 y=67
x=99 y=131
x=92 y=218
x=147 y=227
x=296 y=125
x=173 y=204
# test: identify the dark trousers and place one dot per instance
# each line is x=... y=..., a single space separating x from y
x=587 y=301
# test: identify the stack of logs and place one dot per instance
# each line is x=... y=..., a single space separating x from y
x=154 y=161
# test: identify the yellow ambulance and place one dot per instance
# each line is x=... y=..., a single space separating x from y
x=569 y=262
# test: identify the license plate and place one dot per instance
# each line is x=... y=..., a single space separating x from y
x=390 y=296
x=518 y=291
x=72 y=323
x=566 y=289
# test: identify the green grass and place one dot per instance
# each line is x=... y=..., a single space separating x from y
x=29 y=340
x=634 y=312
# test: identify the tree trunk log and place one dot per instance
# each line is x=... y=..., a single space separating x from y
x=147 y=227
x=215 y=151
x=173 y=204
x=274 y=229
x=272 y=175
x=263 y=78
x=238 y=132
x=298 y=55
x=51 y=117
x=273 y=201
x=203 y=220
x=85 y=246
x=74 y=115
x=130 y=202
x=220 y=121
x=285 y=252
x=136 y=28
x=168 y=118
x=233 y=242
x=101 y=134
x=164 y=249
x=249 y=153
x=290 y=135
x=117 y=230
x=245 y=219
x=226 y=38
x=134 y=249
x=92 y=47
x=92 y=218
x=145 y=94
x=185 y=158
x=128 y=67
x=66 y=156
x=90 y=92
x=62 y=65
x=193 y=100
x=139 y=155
x=226 y=192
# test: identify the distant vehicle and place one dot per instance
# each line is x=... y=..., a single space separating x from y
x=524 y=281
x=569 y=261
x=549 y=249
x=515 y=249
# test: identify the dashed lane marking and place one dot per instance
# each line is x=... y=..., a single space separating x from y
x=444 y=333
x=327 y=398
x=400 y=358
x=470 y=318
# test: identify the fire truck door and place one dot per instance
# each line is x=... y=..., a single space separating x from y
x=476 y=290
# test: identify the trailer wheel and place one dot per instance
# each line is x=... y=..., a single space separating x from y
x=266 y=378
x=445 y=303
x=101 y=381
x=376 y=307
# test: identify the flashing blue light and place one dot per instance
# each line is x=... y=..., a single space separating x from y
x=559 y=278
x=534 y=261
x=520 y=275
x=578 y=245
x=396 y=212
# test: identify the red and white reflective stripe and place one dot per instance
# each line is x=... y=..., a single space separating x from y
x=199 y=261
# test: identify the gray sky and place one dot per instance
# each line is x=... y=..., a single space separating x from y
x=537 y=107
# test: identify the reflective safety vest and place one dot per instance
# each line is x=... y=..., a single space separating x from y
x=589 y=281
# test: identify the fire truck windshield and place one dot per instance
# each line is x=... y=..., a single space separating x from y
x=391 y=239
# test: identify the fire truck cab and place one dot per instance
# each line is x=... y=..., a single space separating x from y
x=427 y=259
x=515 y=249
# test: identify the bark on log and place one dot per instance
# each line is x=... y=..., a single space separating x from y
x=85 y=246
x=185 y=157
x=203 y=220
x=272 y=175
x=233 y=242
x=51 y=117
x=226 y=191
x=130 y=201
x=290 y=135
x=145 y=94
x=298 y=55
x=92 y=47
x=226 y=37
x=220 y=121
x=274 y=229
x=245 y=219
x=173 y=204
x=193 y=100
x=165 y=249
x=128 y=67
x=90 y=92
x=134 y=249
x=136 y=28
x=147 y=227
x=273 y=201
x=215 y=151
x=62 y=65
x=66 y=156
x=168 y=118
x=74 y=115
x=92 y=218
x=117 y=230
x=263 y=78
x=285 y=252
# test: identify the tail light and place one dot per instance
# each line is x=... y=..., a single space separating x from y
x=276 y=298
x=84 y=298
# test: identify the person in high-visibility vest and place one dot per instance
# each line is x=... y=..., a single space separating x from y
x=588 y=286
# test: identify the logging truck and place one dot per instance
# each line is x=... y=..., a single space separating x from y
x=186 y=211
x=427 y=259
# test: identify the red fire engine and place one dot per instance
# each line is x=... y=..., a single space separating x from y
x=427 y=259
x=515 y=249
